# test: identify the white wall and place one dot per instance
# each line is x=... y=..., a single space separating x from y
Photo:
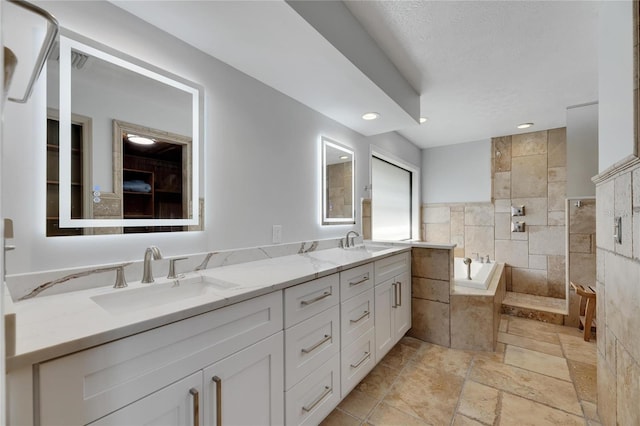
x=615 y=81
x=582 y=150
x=261 y=167
x=457 y=173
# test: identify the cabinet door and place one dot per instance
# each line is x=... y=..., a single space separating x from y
x=402 y=312
x=247 y=388
x=384 y=318
x=178 y=404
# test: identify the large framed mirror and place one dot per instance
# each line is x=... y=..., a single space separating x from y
x=128 y=141
x=338 y=184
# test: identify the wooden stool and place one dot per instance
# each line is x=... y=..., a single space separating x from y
x=587 y=308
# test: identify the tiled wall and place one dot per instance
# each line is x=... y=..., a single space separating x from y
x=530 y=170
x=339 y=191
x=582 y=251
x=618 y=295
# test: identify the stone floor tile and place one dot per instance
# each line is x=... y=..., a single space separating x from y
x=497 y=355
x=585 y=378
x=504 y=322
x=576 y=349
x=427 y=393
x=358 y=404
x=534 y=345
x=378 y=381
x=479 y=402
x=451 y=360
x=539 y=362
x=386 y=415
x=524 y=412
x=531 y=330
x=547 y=390
x=411 y=342
x=340 y=418
x=590 y=410
x=399 y=355
x=461 y=420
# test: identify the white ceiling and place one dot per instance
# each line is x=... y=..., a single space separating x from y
x=479 y=67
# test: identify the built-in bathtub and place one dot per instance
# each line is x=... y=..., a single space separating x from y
x=481 y=273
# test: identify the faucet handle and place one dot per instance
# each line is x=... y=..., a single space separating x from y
x=172 y=267
x=121 y=281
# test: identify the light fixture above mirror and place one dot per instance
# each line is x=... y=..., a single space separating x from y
x=338 y=184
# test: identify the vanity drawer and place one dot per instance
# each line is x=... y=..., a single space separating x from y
x=357 y=316
x=357 y=360
x=82 y=387
x=310 y=344
x=305 y=300
x=311 y=400
x=355 y=281
x=391 y=266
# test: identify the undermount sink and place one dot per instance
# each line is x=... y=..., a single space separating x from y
x=157 y=294
x=371 y=248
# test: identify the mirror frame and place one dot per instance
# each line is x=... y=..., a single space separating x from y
x=326 y=142
x=69 y=41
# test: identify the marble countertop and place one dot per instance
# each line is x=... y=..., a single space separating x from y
x=57 y=325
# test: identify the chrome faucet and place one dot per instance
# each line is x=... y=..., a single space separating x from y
x=488 y=259
x=149 y=253
x=477 y=256
x=347 y=242
x=467 y=261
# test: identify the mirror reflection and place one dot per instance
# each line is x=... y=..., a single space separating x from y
x=122 y=145
x=337 y=184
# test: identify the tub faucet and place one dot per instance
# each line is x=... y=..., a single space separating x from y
x=467 y=261
x=488 y=259
x=477 y=256
x=149 y=253
x=349 y=243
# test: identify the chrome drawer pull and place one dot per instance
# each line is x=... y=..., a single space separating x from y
x=400 y=295
x=327 y=391
x=315 y=299
x=326 y=338
x=196 y=406
x=364 y=279
x=363 y=359
x=395 y=296
x=218 y=382
x=364 y=314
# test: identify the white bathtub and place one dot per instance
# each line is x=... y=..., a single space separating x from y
x=481 y=273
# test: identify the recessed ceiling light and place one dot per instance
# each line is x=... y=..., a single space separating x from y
x=344 y=157
x=370 y=116
x=524 y=125
x=140 y=140
x=423 y=120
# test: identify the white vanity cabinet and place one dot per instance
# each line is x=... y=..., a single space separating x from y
x=392 y=301
x=86 y=386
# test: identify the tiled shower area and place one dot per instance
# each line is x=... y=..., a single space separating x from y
x=528 y=170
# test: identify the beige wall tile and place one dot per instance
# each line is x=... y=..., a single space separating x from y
x=503 y=226
x=547 y=240
x=471 y=323
x=430 y=321
x=529 y=144
x=538 y=261
x=528 y=176
x=601 y=332
x=580 y=243
x=623 y=209
x=436 y=214
x=437 y=233
x=502 y=153
x=557 y=147
x=502 y=206
x=607 y=394
x=557 y=194
x=556 y=219
x=430 y=263
x=604 y=213
x=535 y=210
x=457 y=223
x=582 y=220
x=557 y=174
x=479 y=215
x=530 y=281
x=458 y=240
x=636 y=233
x=502 y=185
x=582 y=268
x=556 y=276
x=611 y=344
x=513 y=253
x=636 y=187
x=425 y=288
x=479 y=239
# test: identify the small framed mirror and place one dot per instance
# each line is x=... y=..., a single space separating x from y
x=338 y=184
x=134 y=164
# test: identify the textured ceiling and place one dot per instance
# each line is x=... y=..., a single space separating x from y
x=482 y=67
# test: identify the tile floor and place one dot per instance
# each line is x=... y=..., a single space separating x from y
x=541 y=374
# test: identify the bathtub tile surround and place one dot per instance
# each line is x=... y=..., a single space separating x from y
x=582 y=252
x=528 y=380
x=39 y=284
x=618 y=275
